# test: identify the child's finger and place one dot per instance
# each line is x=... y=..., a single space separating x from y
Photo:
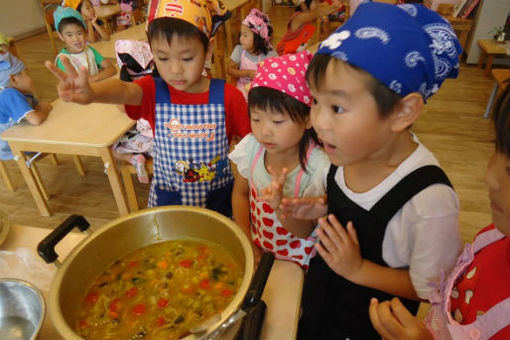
x=69 y=68
x=375 y=311
x=353 y=235
x=283 y=176
x=337 y=229
x=61 y=75
x=401 y=312
x=327 y=236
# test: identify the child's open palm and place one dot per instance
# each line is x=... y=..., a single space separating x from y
x=339 y=247
x=73 y=85
x=304 y=208
x=273 y=194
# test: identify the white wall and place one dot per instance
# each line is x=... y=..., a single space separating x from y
x=490 y=13
x=18 y=17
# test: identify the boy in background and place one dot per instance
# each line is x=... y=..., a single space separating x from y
x=17 y=102
x=72 y=31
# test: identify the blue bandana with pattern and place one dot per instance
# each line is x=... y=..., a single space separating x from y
x=407 y=47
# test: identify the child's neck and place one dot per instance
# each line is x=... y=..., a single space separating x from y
x=369 y=172
x=288 y=159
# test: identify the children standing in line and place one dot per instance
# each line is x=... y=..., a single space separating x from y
x=301 y=26
x=17 y=102
x=392 y=216
x=94 y=27
x=282 y=141
x=474 y=301
x=254 y=46
x=71 y=30
x=193 y=118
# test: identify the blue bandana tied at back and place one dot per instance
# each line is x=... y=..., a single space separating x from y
x=408 y=47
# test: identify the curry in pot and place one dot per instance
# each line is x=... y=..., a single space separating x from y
x=159 y=292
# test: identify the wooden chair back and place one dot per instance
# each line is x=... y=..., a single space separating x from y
x=48 y=7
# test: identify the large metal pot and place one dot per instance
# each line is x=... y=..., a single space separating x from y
x=124 y=235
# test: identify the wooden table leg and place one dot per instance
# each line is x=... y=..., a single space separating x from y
x=5 y=176
x=41 y=203
x=481 y=58
x=115 y=182
x=129 y=186
x=491 y=100
x=79 y=165
x=488 y=66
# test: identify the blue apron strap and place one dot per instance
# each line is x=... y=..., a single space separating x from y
x=162 y=91
x=217 y=91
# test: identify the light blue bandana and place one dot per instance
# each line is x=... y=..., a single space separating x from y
x=67 y=12
x=9 y=65
x=407 y=47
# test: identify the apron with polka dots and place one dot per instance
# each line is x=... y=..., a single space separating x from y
x=268 y=233
x=439 y=320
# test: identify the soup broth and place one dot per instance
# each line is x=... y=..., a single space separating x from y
x=159 y=292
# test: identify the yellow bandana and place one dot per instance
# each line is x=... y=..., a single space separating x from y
x=72 y=3
x=206 y=15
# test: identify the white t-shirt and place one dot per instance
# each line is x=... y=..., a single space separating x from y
x=423 y=235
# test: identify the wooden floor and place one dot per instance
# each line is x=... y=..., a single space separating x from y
x=451 y=126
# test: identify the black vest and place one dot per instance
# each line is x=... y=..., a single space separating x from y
x=333 y=307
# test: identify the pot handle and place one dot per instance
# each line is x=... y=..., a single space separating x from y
x=258 y=283
x=46 y=248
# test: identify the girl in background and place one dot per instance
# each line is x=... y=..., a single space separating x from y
x=301 y=24
x=254 y=46
x=282 y=143
x=95 y=28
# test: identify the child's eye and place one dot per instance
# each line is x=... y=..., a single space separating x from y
x=187 y=59
x=278 y=121
x=337 y=109
x=162 y=58
x=255 y=120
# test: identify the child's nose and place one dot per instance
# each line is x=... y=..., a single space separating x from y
x=319 y=120
x=176 y=67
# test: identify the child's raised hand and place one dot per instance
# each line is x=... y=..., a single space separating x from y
x=304 y=208
x=273 y=194
x=339 y=247
x=73 y=85
x=394 y=322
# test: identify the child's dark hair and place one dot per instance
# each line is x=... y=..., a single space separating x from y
x=386 y=99
x=306 y=2
x=168 y=27
x=259 y=45
x=266 y=98
x=69 y=21
x=501 y=119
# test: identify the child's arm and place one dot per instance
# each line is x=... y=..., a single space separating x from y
x=234 y=71
x=241 y=210
x=394 y=322
x=74 y=86
x=339 y=247
x=107 y=70
x=102 y=30
x=39 y=114
x=91 y=35
x=322 y=10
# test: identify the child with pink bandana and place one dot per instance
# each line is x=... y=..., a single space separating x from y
x=284 y=143
x=254 y=46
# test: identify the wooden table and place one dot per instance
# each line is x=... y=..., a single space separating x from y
x=107 y=48
x=489 y=48
x=462 y=27
x=108 y=13
x=282 y=293
x=72 y=129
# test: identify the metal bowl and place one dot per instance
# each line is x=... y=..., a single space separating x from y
x=4 y=226
x=22 y=310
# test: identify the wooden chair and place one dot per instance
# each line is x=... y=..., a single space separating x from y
x=48 y=7
x=501 y=81
x=127 y=171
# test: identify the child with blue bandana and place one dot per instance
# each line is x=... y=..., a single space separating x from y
x=72 y=31
x=390 y=225
x=17 y=102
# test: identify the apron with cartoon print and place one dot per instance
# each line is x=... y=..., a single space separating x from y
x=85 y=58
x=191 y=146
x=439 y=319
x=246 y=64
x=267 y=231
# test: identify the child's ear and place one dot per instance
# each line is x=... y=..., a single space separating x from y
x=308 y=122
x=407 y=111
x=60 y=36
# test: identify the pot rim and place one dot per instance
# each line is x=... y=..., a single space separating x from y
x=40 y=296
x=69 y=333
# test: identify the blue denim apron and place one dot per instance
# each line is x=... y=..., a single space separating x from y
x=191 y=165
